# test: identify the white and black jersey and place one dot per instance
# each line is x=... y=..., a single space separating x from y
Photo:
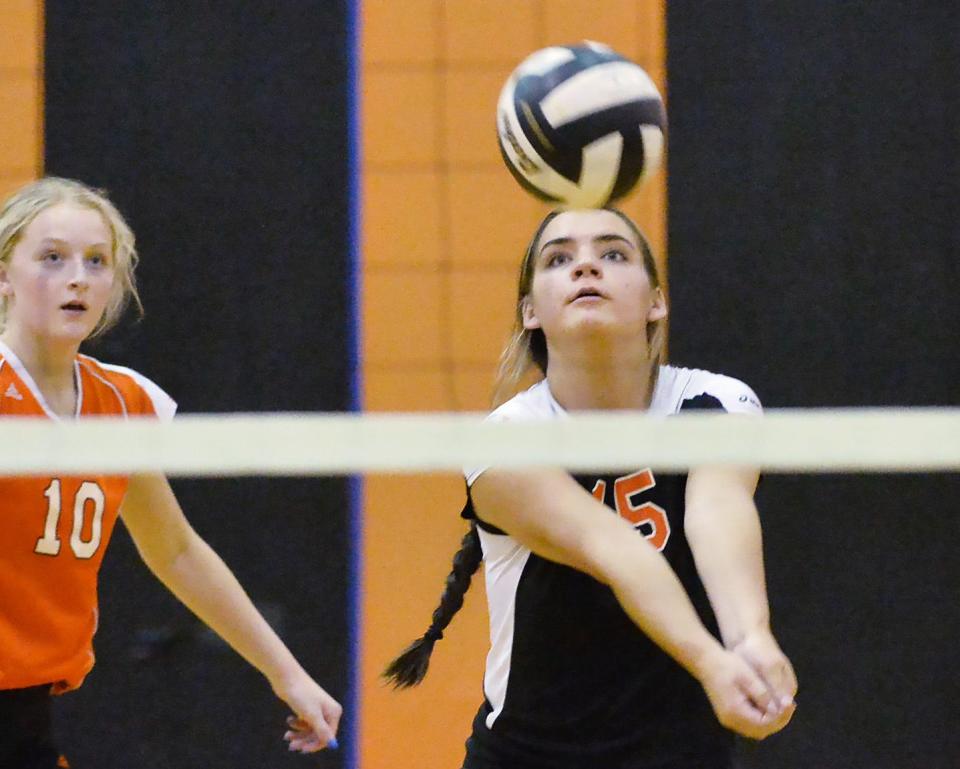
x=570 y=680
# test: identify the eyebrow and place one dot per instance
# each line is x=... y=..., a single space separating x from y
x=608 y=237
x=61 y=241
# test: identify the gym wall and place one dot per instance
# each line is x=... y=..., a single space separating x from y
x=445 y=226
x=21 y=94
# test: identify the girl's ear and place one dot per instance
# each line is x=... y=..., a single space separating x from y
x=5 y=288
x=658 y=309
x=530 y=321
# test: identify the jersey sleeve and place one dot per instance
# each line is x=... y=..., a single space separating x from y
x=153 y=398
x=513 y=410
x=164 y=406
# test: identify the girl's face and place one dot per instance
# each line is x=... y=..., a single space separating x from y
x=60 y=274
x=589 y=277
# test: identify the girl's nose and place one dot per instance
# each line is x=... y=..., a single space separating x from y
x=78 y=278
x=586 y=265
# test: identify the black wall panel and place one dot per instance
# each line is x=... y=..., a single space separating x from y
x=221 y=132
x=814 y=234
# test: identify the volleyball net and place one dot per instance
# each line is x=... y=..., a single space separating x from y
x=298 y=444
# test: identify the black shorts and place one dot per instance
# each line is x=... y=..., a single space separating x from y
x=26 y=733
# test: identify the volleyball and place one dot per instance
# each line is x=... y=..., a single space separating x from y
x=580 y=126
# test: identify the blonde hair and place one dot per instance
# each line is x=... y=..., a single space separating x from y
x=527 y=348
x=25 y=204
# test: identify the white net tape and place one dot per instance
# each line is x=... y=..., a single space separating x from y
x=799 y=440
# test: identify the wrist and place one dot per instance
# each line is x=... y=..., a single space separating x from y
x=759 y=630
x=700 y=657
x=285 y=676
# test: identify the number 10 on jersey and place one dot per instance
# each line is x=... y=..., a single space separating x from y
x=89 y=493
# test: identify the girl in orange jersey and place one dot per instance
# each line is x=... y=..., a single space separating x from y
x=66 y=272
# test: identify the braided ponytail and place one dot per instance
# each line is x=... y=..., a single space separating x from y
x=411 y=666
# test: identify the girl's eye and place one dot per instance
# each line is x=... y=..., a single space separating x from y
x=51 y=256
x=557 y=258
x=615 y=256
x=98 y=259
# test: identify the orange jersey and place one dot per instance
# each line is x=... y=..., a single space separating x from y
x=54 y=530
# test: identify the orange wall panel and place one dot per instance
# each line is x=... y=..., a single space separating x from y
x=410 y=388
x=491 y=218
x=401 y=317
x=485 y=32
x=18 y=133
x=20 y=35
x=473 y=386
x=405 y=572
x=400 y=118
x=571 y=21
x=12 y=181
x=470 y=110
x=21 y=93
x=402 y=218
x=445 y=226
x=481 y=312
x=400 y=33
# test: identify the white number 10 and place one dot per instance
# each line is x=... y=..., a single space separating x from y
x=49 y=543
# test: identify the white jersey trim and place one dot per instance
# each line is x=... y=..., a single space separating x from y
x=674 y=386
x=21 y=371
x=163 y=404
x=504 y=561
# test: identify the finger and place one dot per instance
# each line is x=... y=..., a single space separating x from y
x=787 y=715
x=783 y=681
x=757 y=691
x=791 y=680
x=782 y=720
x=318 y=723
x=305 y=741
x=333 y=717
x=306 y=746
x=295 y=722
x=298 y=734
x=305 y=738
x=315 y=743
x=747 y=720
x=778 y=680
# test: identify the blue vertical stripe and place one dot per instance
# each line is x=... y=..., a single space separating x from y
x=351 y=739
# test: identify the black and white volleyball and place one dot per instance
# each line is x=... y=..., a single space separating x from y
x=580 y=125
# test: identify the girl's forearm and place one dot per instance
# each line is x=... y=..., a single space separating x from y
x=202 y=581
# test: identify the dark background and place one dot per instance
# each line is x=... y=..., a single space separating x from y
x=814 y=234
x=221 y=132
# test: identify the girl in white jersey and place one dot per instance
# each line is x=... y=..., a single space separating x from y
x=66 y=271
x=605 y=627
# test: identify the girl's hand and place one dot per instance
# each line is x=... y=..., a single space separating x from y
x=317 y=715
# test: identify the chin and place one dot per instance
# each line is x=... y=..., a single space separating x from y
x=590 y=323
x=71 y=334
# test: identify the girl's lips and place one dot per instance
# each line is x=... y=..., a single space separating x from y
x=587 y=293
